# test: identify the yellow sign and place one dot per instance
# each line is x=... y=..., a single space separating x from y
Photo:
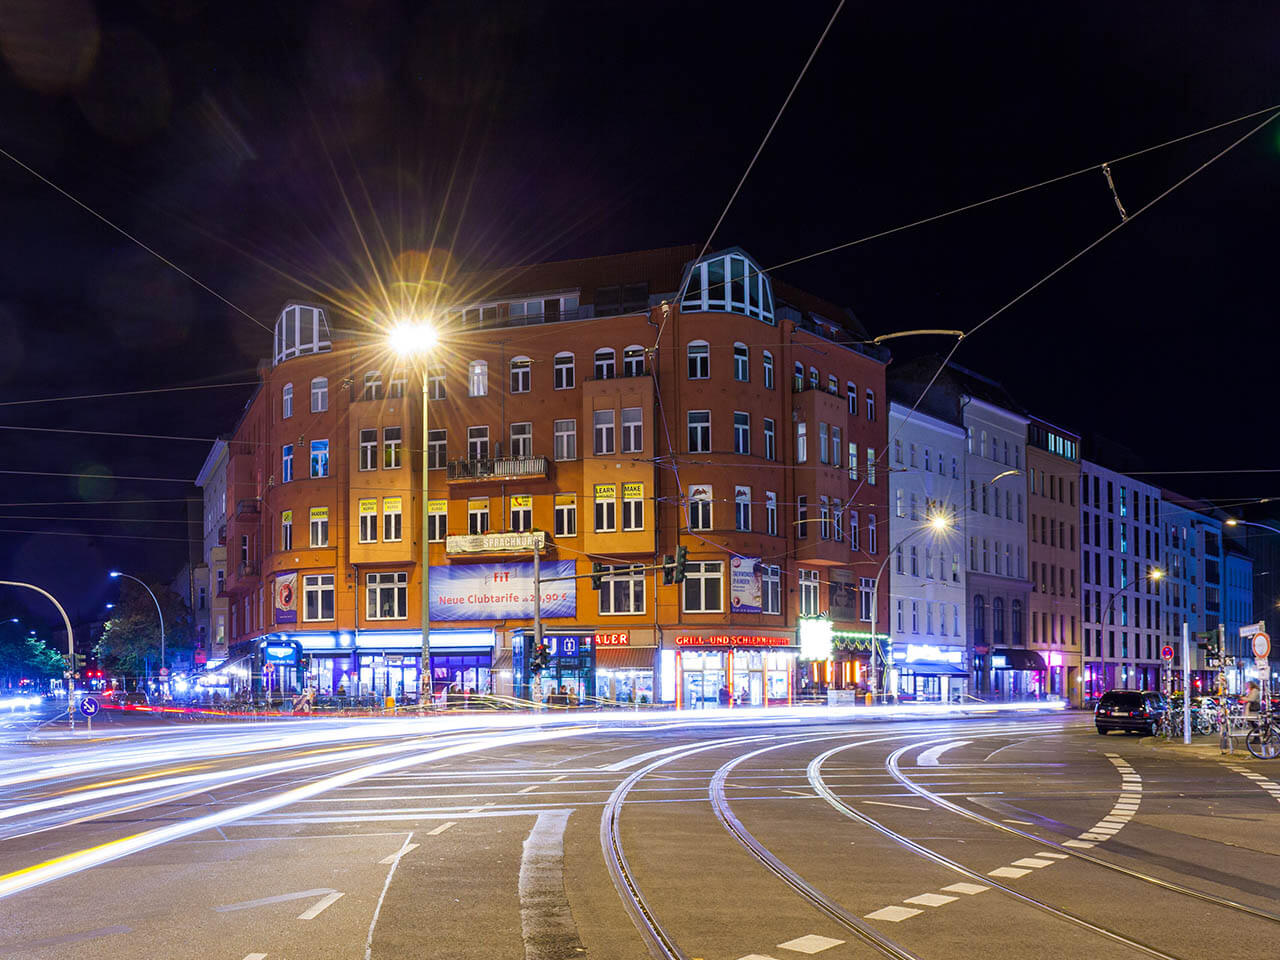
x=433 y=506
x=606 y=491
x=478 y=503
x=319 y=513
x=368 y=506
x=633 y=491
x=392 y=505
x=523 y=501
x=286 y=516
x=566 y=499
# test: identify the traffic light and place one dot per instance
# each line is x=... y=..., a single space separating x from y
x=540 y=660
x=597 y=574
x=77 y=664
x=682 y=557
x=668 y=570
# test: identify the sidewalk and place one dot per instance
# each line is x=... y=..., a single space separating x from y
x=1205 y=748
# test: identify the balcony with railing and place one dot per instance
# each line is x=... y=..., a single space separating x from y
x=497 y=468
x=248 y=508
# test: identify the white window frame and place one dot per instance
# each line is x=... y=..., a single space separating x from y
x=563 y=373
x=565 y=440
x=632 y=513
x=622 y=591
x=633 y=361
x=742 y=432
x=742 y=509
x=478 y=378
x=566 y=519
x=701 y=514
x=741 y=363
x=319 y=394
x=319 y=462
x=372 y=385
x=317 y=586
x=770 y=439
x=521 y=439
x=604 y=514
x=437 y=527
x=810 y=593
x=392 y=447
x=286 y=533
x=437 y=449
x=604 y=364
x=703 y=573
x=286 y=401
x=698 y=430
x=603 y=433
x=521 y=517
x=368 y=448
x=377 y=586
x=393 y=524
x=521 y=374
x=766 y=359
x=478 y=443
x=368 y=528
x=632 y=429
x=771 y=589
x=698 y=360
x=286 y=463
x=802 y=441
x=319 y=532
x=478 y=517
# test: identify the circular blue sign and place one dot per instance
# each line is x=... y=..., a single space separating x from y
x=88 y=706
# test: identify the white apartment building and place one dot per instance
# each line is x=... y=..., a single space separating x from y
x=212 y=481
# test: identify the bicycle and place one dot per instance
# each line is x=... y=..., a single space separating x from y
x=1263 y=738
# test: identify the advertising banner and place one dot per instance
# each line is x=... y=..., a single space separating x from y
x=435 y=506
x=746 y=584
x=392 y=504
x=368 y=506
x=319 y=513
x=633 y=491
x=287 y=598
x=606 y=491
x=497 y=591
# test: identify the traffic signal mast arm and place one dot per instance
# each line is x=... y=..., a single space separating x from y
x=670 y=565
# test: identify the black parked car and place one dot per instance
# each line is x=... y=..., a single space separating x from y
x=1129 y=710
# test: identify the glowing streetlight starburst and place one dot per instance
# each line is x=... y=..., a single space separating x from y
x=410 y=339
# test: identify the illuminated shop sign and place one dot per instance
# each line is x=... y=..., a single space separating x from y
x=622 y=639
x=725 y=640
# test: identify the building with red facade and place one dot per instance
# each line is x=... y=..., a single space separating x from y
x=601 y=411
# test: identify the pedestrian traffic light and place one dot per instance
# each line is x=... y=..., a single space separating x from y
x=682 y=557
x=597 y=574
x=668 y=570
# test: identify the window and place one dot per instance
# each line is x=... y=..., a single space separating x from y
x=871 y=534
x=699 y=357
x=522 y=440
x=319 y=458
x=866 y=588
x=603 y=431
x=368 y=449
x=286 y=530
x=566 y=515
x=521 y=513
x=395 y=391
x=809 y=593
x=700 y=507
x=632 y=429
x=632 y=506
x=435 y=449
x=835 y=446
x=477 y=443
x=915 y=561
x=822 y=443
x=622 y=589
x=767 y=359
x=562 y=371
x=797 y=382
x=286 y=463
x=742 y=509
x=437 y=521
x=702 y=586
x=853 y=530
x=915 y=616
x=222 y=580
x=871 y=405
x=802 y=442
x=286 y=401
x=771 y=513
x=813 y=378
x=851 y=391
x=478 y=378
x=319 y=526
x=386 y=596
x=478 y=515
x=699 y=424
x=853 y=461
x=606 y=511
x=871 y=466
x=770 y=589
x=633 y=361
x=604 y=364
x=521 y=374
x=741 y=362
x=390 y=448
x=833 y=385
x=317 y=597
x=824 y=518
x=435 y=387
x=770 y=439
x=368 y=521
x=741 y=432
x=319 y=395
x=372 y=385
x=566 y=439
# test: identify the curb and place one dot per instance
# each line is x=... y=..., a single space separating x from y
x=1201 y=748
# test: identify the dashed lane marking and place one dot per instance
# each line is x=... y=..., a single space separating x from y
x=1025 y=823
x=255 y=956
x=1034 y=862
x=893 y=914
x=386 y=861
x=316 y=909
x=885 y=803
x=530 y=789
x=810 y=943
x=1052 y=856
x=968 y=889
x=441 y=829
x=1010 y=872
x=930 y=899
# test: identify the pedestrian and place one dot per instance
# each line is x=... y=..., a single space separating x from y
x=572 y=697
x=725 y=696
x=1252 y=699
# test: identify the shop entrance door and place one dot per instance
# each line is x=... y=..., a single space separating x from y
x=702 y=688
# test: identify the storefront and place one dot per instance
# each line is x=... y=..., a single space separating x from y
x=929 y=673
x=571 y=664
x=625 y=667
x=713 y=670
x=1019 y=674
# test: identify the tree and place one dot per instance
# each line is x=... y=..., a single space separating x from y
x=26 y=658
x=130 y=644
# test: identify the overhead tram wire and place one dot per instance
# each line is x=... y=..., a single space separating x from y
x=98 y=536
x=126 y=393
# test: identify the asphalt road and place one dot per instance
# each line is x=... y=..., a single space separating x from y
x=720 y=837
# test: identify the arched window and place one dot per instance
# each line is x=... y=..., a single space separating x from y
x=563 y=371
x=728 y=282
x=372 y=385
x=813 y=378
x=604 y=364
x=521 y=374
x=1015 y=623
x=741 y=362
x=798 y=382
x=286 y=401
x=979 y=620
x=767 y=358
x=633 y=361
x=699 y=355
x=478 y=378
x=997 y=621
x=319 y=395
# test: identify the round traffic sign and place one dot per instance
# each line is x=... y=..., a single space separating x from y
x=164 y=671
x=1261 y=645
x=88 y=706
x=268 y=668
x=1166 y=652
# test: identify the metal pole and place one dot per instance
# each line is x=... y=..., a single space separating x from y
x=71 y=649
x=424 y=674
x=875 y=598
x=159 y=615
x=537 y=597
x=1186 y=682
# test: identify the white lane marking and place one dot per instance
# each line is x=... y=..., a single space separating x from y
x=1025 y=823
x=441 y=829
x=266 y=901
x=757 y=956
x=315 y=910
x=1095 y=836
x=546 y=922
x=559 y=778
x=1078 y=843
x=641 y=758
x=386 y=885
x=255 y=956
x=930 y=899
x=799 y=793
x=1035 y=862
x=968 y=889
x=885 y=803
x=1011 y=872
x=1052 y=856
x=893 y=914
x=930 y=757
x=388 y=860
x=810 y=943
x=529 y=789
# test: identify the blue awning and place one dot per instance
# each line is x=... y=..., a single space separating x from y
x=933 y=668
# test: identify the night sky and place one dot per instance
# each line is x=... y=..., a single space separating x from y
x=254 y=145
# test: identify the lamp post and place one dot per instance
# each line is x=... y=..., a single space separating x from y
x=409 y=340
x=115 y=575
x=71 y=648
x=938 y=523
x=1155 y=574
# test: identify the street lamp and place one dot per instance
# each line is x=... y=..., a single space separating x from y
x=115 y=575
x=1154 y=575
x=410 y=340
x=938 y=523
x=1233 y=522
